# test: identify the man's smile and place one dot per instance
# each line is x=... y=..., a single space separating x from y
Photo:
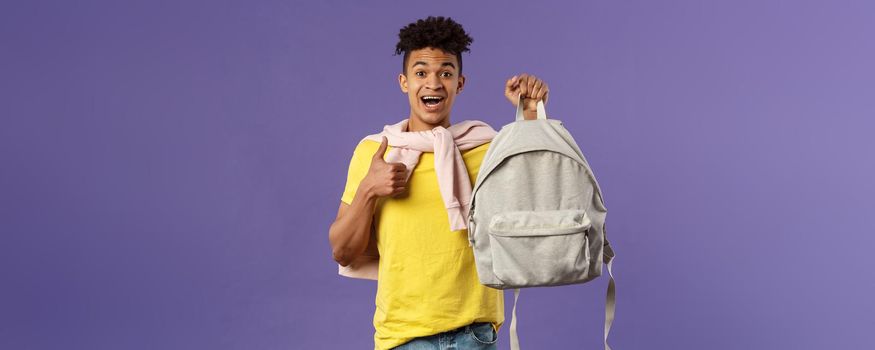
x=432 y=103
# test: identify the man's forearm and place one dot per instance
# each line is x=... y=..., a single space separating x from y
x=350 y=233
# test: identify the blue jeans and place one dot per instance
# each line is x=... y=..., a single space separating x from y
x=475 y=336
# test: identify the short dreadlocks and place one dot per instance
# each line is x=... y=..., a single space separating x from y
x=437 y=32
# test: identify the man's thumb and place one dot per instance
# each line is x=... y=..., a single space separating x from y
x=382 y=150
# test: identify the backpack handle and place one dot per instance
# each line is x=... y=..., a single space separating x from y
x=542 y=113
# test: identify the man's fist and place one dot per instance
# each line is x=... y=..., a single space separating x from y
x=385 y=179
x=532 y=90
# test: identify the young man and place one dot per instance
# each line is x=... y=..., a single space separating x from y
x=407 y=196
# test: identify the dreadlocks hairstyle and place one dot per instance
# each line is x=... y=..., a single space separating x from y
x=437 y=32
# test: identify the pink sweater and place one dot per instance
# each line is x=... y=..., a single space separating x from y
x=447 y=144
x=452 y=174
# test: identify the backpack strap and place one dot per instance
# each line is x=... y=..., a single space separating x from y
x=542 y=113
x=514 y=340
x=611 y=301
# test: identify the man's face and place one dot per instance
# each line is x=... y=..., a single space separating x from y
x=431 y=72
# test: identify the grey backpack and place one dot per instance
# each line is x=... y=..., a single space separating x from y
x=537 y=216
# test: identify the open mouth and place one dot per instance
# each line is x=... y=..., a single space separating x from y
x=432 y=103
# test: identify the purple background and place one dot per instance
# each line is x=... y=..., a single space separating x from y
x=170 y=170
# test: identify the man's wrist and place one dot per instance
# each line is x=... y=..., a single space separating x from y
x=366 y=191
x=530 y=115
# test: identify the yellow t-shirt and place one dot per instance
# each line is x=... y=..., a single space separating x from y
x=427 y=281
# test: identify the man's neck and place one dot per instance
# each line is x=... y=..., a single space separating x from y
x=417 y=125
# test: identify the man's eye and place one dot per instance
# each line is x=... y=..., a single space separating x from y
x=419 y=73
x=448 y=74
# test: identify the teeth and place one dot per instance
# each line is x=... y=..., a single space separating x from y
x=431 y=97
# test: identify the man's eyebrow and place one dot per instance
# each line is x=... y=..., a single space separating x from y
x=442 y=64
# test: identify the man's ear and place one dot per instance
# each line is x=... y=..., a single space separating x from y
x=461 y=83
x=402 y=82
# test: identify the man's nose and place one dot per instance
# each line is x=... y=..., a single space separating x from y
x=434 y=82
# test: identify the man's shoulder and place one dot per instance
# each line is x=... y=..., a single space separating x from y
x=479 y=149
x=366 y=147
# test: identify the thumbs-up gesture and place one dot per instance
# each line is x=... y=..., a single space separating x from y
x=386 y=179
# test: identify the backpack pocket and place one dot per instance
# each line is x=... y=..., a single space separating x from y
x=540 y=248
